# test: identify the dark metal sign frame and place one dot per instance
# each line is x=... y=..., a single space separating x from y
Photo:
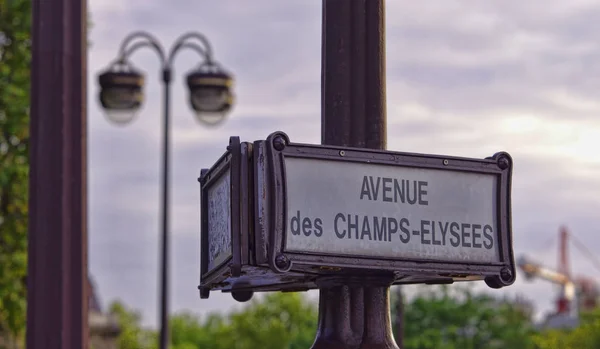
x=235 y=160
x=271 y=212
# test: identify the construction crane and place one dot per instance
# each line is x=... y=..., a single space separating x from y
x=576 y=293
x=568 y=288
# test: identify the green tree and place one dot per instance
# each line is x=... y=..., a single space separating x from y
x=15 y=59
x=440 y=318
x=586 y=335
x=453 y=318
x=276 y=320
x=188 y=331
x=132 y=336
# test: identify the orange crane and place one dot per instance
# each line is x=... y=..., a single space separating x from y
x=576 y=293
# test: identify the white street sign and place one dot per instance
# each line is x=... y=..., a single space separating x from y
x=381 y=211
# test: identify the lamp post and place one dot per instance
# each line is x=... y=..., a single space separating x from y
x=210 y=96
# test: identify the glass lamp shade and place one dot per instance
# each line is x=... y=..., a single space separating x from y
x=210 y=95
x=211 y=105
x=120 y=117
x=121 y=95
x=121 y=104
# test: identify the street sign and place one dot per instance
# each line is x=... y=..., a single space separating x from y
x=281 y=216
x=359 y=209
x=224 y=197
x=426 y=218
x=226 y=252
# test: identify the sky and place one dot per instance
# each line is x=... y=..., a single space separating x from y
x=464 y=78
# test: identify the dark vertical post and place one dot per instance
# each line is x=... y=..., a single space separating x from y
x=378 y=325
x=353 y=113
x=164 y=269
x=353 y=109
x=57 y=271
x=341 y=317
x=399 y=321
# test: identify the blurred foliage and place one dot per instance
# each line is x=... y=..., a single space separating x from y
x=586 y=335
x=458 y=318
x=15 y=58
x=437 y=318
x=132 y=335
x=275 y=321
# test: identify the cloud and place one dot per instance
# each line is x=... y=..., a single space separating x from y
x=464 y=78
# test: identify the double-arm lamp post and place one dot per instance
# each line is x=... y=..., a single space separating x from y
x=121 y=96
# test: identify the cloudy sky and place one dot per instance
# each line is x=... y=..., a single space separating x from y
x=465 y=78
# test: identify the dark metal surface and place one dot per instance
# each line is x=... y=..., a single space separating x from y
x=278 y=203
x=341 y=317
x=245 y=198
x=164 y=255
x=261 y=209
x=236 y=205
x=378 y=326
x=398 y=320
x=57 y=302
x=353 y=111
x=353 y=114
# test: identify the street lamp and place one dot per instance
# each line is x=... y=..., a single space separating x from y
x=210 y=96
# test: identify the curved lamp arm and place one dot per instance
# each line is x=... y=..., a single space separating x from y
x=205 y=50
x=127 y=48
x=183 y=42
x=132 y=43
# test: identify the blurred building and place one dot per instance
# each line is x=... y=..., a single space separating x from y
x=104 y=328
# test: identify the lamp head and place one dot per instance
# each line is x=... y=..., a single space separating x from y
x=211 y=94
x=121 y=93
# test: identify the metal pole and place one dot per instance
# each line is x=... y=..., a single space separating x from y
x=341 y=316
x=353 y=113
x=399 y=322
x=378 y=326
x=57 y=304
x=164 y=284
x=127 y=48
